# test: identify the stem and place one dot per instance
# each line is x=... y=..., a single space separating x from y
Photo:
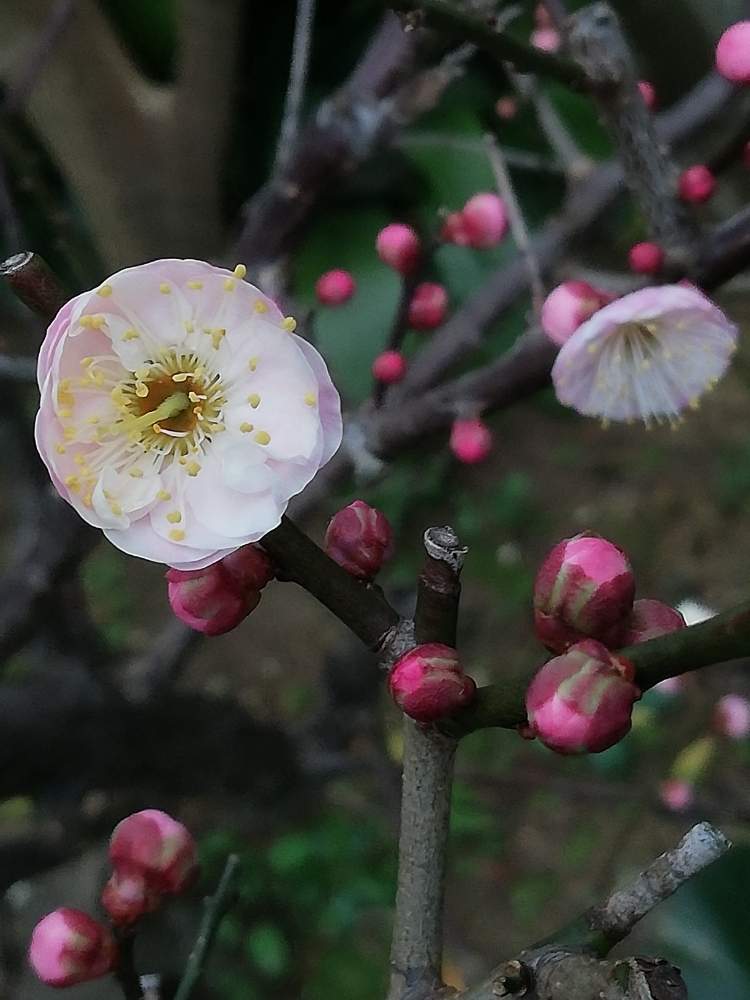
x=34 y=284
x=358 y=605
x=125 y=973
x=216 y=907
x=466 y=27
x=295 y=94
x=417 y=944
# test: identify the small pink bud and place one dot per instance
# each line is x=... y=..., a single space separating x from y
x=128 y=895
x=732 y=717
x=428 y=306
x=158 y=847
x=567 y=306
x=471 y=440
x=585 y=587
x=676 y=795
x=647 y=93
x=454 y=230
x=646 y=258
x=399 y=247
x=389 y=367
x=545 y=39
x=485 y=220
x=506 y=108
x=428 y=683
x=697 y=184
x=359 y=538
x=650 y=619
x=249 y=567
x=733 y=53
x=581 y=701
x=69 y=947
x=209 y=600
x=335 y=287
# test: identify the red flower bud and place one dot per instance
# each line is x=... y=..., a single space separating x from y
x=585 y=587
x=389 y=367
x=69 y=947
x=506 y=108
x=359 y=538
x=733 y=53
x=454 y=230
x=335 y=287
x=208 y=600
x=696 y=184
x=567 y=307
x=399 y=247
x=485 y=220
x=158 y=847
x=428 y=306
x=646 y=258
x=470 y=441
x=427 y=683
x=128 y=895
x=581 y=701
x=249 y=567
x=650 y=619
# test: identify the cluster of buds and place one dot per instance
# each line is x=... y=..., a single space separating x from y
x=480 y=224
x=428 y=683
x=153 y=857
x=216 y=599
x=584 y=606
x=359 y=538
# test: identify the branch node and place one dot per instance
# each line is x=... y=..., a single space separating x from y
x=443 y=545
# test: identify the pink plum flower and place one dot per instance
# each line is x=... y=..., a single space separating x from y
x=179 y=413
x=69 y=947
x=646 y=356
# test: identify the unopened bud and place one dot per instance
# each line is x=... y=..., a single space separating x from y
x=648 y=620
x=428 y=306
x=646 y=258
x=485 y=220
x=733 y=53
x=399 y=247
x=696 y=184
x=389 y=367
x=158 y=847
x=471 y=440
x=428 y=683
x=584 y=587
x=249 y=567
x=335 y=287
x=582 y=701
x=128 y=895
x=69 y=947
x=567 y=306
x=208 y=600
x=359 y=538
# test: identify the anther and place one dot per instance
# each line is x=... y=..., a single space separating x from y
x=176 y=535
x=174 y=517
x=260 y=306
x=240 y=271
x=263 y=437
x=105 y=291
x=289 y=323
x=254 y=400
x=165 y=288
x=195 y=285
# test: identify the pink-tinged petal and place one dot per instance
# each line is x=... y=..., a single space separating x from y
x=242 y=517
x=141 y=540
x=57 y=329
x=329 y=402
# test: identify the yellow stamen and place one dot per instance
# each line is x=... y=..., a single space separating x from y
x=163 y=495
x=192 y=468
x=195 y=285
x=311 y=399
x=289 y=324
x=260 y=306
x=240 y=271
x=252 y=364
x=105 y=291
x=246 y=428
x=263 y=437
x=165 y=288
x=254 y=400
x=229 y=284
x=174 y=517
x=176 y=534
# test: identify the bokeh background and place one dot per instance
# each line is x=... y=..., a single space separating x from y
x=276 y=740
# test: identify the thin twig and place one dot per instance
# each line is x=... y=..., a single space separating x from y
x=576 y=164
x=295 y=94
x=520 y=159
x=517 y=221
x=216 y=907
x=125 y=974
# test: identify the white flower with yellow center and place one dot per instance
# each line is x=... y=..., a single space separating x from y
x=179 y=413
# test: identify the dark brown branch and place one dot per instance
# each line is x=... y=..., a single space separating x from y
x=417 y=944
x=34 y=284
x=360 y=606
x=125 y=974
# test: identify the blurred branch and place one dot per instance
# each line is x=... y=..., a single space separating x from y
x=17 y=94
x=521 y=159
x=295 y=94
x=568 y=964
x=17 y=369
x=124 y=973
x=216 y=907
x=463 y=26
x=417 y=943
x=577 y=165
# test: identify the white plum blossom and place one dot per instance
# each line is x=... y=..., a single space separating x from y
x=179 y=413
x=646 y=356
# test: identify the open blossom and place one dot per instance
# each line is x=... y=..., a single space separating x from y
x=646 y=356
x=179 y=413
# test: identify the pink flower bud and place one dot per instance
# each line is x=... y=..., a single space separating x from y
x=650 y=619
x=249 y=567
x=454 y=230
x=335 y=287
x=128 y=895
x=209 y=600
x=485 y=220
x=732 y=717
x=646 y=258
x=733 y=53
x=647 y=93
x=399 y=247
x=470 y=441
x=676 y=795
x=428 y=683
x=581 y=701
x=697 y=184
x=158 y=847
x=428 y=306
x=567 y=306
x=506 y=108
x=359 y=538
x=69 y=947
x=585 y=587
x=389 y=367
x=545 y=39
